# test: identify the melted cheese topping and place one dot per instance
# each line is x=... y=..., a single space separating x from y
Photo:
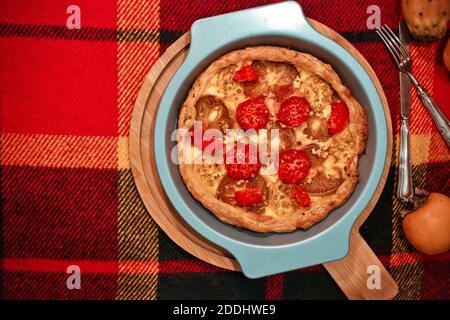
x=331 y=167
x=273 y=77
x=271 y=103
x=326 y=112
x=316 y=91
x=271 y=178
x=269 y=211
x=302 y=137
x=336 y=150
x=304 y=75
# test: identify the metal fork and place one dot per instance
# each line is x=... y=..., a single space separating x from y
x=404 y=63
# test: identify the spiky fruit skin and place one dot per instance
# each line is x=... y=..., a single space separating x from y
x=426 y=19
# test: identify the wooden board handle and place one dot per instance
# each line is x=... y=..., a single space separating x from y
x=361 y=275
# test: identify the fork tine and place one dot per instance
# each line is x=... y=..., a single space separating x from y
x=394 y=44
x=388 y=45
x=397 y=39
x=406 y=48
x=397 y=43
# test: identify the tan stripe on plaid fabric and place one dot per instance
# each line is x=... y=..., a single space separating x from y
x=137 y=287
x=138 y=240
x=138 y=14
x=399 y=243
x=123 y=154
x=135 y=58
x=139 y=267
x=420 y=149
x=423 y=56
x=138 y=233
x=59 y=151
x=407 y=276
x=135 y=61
x=439 y=150
x=138 y=35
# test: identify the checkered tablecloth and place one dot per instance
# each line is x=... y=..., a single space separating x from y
x=67 y=192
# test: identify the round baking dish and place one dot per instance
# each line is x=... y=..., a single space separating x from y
x=281 y=25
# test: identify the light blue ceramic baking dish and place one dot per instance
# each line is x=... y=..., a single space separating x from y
x=283 y=25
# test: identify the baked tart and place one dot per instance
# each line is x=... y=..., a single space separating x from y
x=321 y=131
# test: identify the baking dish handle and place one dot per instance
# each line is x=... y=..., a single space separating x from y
x=258 y=261
x=212 y=34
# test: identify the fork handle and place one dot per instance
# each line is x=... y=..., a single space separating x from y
x=440 y=120
x=404 y=187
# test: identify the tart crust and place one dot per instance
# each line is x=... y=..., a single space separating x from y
x=321 y=206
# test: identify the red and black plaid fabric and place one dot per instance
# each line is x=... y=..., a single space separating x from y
x=67 y=192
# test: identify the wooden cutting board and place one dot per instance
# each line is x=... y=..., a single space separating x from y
x=350 y=273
